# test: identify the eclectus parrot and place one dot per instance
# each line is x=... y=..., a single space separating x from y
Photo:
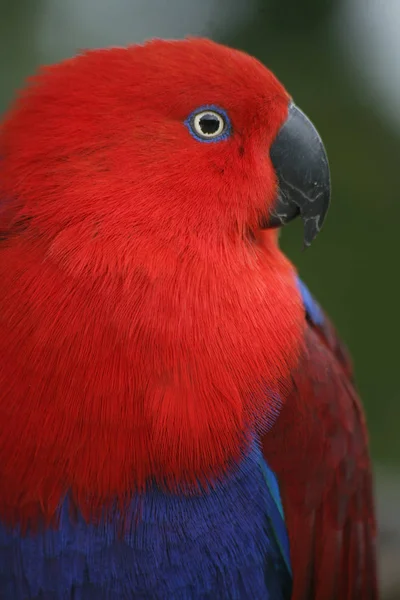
x=178 y=418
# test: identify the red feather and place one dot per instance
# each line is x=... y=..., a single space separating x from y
x=140 y=321
x=133 y=312
x=319 y=451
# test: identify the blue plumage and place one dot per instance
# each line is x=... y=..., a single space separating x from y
x=313 y=309
x=227 y=543
x=277 y=521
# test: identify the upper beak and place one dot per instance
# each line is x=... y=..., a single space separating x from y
x=301 y=164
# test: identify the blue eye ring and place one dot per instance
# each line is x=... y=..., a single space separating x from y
x=193 y=123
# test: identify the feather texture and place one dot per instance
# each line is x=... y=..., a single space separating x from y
x=224 y=543
x=135 y=305
x=143 y=316
x=318 y=449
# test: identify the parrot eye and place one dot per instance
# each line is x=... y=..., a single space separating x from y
x=209 y=124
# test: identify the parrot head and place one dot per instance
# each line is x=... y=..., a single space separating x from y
x=144 y=295
x=191 y=134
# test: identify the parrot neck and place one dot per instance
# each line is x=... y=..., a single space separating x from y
x=154 y=370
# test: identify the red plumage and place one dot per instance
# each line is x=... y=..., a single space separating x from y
x=319 y=451
x=143 y=316
x=134 y=324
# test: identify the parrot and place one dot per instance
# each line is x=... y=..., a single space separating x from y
x=179 y=418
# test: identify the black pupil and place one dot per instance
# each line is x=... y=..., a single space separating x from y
x=209 y=124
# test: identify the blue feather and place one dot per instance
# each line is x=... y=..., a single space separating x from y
x=230 y=542
x=312 y=308
x=276 y=516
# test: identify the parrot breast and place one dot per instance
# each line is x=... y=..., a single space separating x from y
x=227 y=542
x=111 y=381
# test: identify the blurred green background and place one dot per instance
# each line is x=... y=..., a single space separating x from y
x=340 y=59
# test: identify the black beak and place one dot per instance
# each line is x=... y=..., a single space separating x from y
x=299 y=158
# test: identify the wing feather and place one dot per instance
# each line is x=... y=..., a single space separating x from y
x=319 y=452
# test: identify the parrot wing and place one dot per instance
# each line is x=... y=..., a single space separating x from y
x=319 y=452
